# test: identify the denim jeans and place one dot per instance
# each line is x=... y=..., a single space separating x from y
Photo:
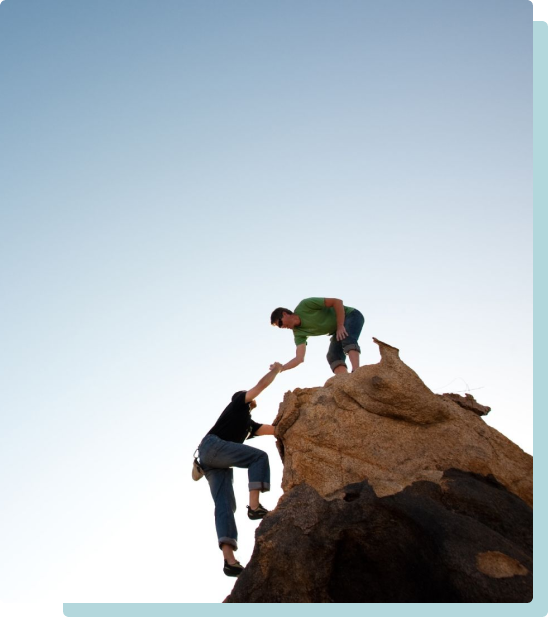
x=336 y=355
x=217 y=457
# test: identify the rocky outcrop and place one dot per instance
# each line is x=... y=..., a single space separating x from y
x=467 y=540
x=392 y=494
x=383 y=424
x=468 y=402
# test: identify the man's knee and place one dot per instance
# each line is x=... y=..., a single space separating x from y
x=262 y=456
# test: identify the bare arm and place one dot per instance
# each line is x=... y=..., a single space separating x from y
x=264 y=382
x=266 y=429
x=298 y=359
x=339 y=312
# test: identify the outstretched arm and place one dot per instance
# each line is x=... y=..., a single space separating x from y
x=298 y=359
x=264 y=382
x=266 y=429
x=339 y=312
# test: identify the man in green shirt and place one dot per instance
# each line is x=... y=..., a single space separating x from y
x=317 y=316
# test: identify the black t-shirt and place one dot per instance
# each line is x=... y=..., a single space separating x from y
x=235 y=423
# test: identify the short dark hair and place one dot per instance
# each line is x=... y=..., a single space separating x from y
x=277 y=314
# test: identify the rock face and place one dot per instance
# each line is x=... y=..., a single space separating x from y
x=467 y=540
x=392 y=494
x=469 y=402
x=383 y=424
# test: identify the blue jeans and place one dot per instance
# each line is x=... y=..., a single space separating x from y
x=336 y=355
x=217 y=457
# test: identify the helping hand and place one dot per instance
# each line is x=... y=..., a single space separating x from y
x=276 y=366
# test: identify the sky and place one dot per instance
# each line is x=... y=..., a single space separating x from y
x=169 y=174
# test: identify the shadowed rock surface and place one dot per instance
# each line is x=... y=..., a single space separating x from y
x=468 y=402
x=466 y=540
x=392 y=494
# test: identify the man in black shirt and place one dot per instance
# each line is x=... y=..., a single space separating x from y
x=223 y=448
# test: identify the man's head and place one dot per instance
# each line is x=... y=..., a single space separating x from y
x=284 y=318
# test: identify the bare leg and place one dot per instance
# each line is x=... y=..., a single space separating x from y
x=254 y=498
x=228 y=553
x=340 y=369
x=354 y=359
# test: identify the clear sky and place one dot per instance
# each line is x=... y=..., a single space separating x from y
x=170 y=173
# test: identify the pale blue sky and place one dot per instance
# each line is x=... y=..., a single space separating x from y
x=170 y=173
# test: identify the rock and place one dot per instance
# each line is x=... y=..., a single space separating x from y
x=468 y=402
x=382 y=423
x=466 y=539
x=392 y=494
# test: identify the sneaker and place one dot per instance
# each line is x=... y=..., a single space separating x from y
x=255 y=515
x=233 y=569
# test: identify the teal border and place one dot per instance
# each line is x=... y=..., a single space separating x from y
x=539 y=606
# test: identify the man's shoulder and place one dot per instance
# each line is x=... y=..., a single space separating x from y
x=238 y=400
x=239 y=396
x=311 y=304
x=299 y=338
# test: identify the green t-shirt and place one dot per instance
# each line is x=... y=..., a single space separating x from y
x=316 y=319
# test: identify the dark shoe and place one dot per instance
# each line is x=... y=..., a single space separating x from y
x=233 y=569
x=255 y=515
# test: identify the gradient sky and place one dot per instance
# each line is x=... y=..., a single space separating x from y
x=171 y=172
